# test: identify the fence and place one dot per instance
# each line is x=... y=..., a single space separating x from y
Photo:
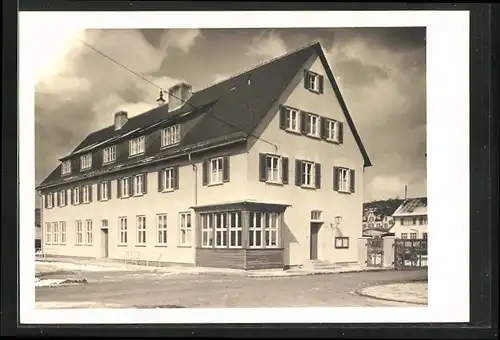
x=410 y=253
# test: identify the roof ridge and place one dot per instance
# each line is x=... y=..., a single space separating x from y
x=257 y=66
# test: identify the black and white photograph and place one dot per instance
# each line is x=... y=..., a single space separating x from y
x=187 y=170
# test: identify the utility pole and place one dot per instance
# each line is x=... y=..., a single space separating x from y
x=406 y=191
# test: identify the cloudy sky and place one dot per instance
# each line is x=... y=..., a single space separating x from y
x=380 y=71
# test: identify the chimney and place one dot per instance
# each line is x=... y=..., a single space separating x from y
x=160 y=100
x=178 y=95
x=121 y=118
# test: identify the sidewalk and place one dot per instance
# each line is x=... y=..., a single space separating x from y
x=412 y=292
x=304 y=272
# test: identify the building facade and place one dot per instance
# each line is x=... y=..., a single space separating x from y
x=411 y=219
x=262 y=170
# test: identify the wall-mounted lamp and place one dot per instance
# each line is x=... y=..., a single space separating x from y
x=338 y=219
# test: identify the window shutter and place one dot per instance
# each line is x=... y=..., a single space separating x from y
x=282 y=117
x=130 y=186
x=341 y=132
x=119 y=187
x=321 y=80
x=90 y=193
x=302 y=121
x=204 y=173
x=335 y=178
x=317 y=169
x=161 y=185
x=306 y=79
x=45 y=202
x=352 y=180
x=225 y=169
x=284 y=169
x=66 y=195
x=109 y=190
x=145 y=183
x=298 y=172
x=71 y=194
x=262 y=167
x=99 y=189
x=322 y=127
x=176 y=177
x=80 y=194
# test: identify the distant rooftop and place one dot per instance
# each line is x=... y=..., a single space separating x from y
x=412 y=207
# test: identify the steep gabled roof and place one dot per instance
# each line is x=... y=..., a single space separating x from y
x=229 y=110
x=412 y=207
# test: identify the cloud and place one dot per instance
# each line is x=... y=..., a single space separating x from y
x=390 y=186
x=181 y=39
x=267 y=45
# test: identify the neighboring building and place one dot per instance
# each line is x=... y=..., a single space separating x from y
x=38 y=231
x=377 y=216
x=411 y=219
x=264 y=169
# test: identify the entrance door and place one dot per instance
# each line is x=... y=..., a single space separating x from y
x=314 y=242
x=104 y=242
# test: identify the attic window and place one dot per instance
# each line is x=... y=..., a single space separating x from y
x=170 y=135
x=66 y=167
x=137 y=146
x=313 y=81
x=86 y=161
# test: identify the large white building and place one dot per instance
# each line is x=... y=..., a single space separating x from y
x=411 y=219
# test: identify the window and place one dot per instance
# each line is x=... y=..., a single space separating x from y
x=220 y=230
x=141 y=229
x=422 y=220
x=414 y=221
x=48 y=233
x=168 y=179
x=123 y=230
x=413 y=236
x=62 y=198
x=185 y=229
x=271 y=229
x=162 y=229
x=344 y=180
x=255 y=230
x=313 y=81
x=49 y=202
x=307 y=171
x=109 y=154
x=216 y=170
x=55 y=231
x=404 y=236
x=316 y=215
x=341 y=242
x=88 y=232
x=87 y=193
x=235 y=229
x=137 y=146
x=332 y=130
x=104 y=191
x=86 y=161
x=76 y=195
x=140 y=184
x=292 y=121
x=313 y=125
x=170 y=135
x=206 y=230
x=79 y=232
x=273 y=169
x=66 y=167
x=424 y=236
x=62 y=225
x=124 y=187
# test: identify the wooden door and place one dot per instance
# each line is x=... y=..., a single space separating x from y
x=314 y=242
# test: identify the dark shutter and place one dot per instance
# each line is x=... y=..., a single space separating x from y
x=353 y=180
x=90 y=192
x=282 y=117
x=262 y=167
x=45 y=202
x=80 y=194
x=109 y=190
x=322 y=127
x=302 y=121
x=317 y=169
x=145 y=183
x=161 y=185
x=176 y=177
x=71 y=195
x=66 y=196
x=321 y=80
x=225 y=169
x=204 y=173
x=341 y=132
x=298 y=172
x=130 y=185
x=306 y=79
x=99 y=189
x=308 y=122
x=335 y=178
x=284 y=169
x=119 y=187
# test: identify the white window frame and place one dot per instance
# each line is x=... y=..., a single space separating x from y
x=162 y=229
x=141 y=229
x=271 y=223
x=48 y=233
x=122 y=230
x=273 y=170
x=88 y=232
x=207 y=231
x=314 y=127
x=216 y=173
x=78 y=233
x=332 y=130
x=123 y=181
x=137 y=146
x=316 y=215
x=109 y=154
x=344 y=180
x=185 y=228
x=55 y=233
x=104 y=190
x=86 y=193
x=413 y=236
x=171 y=135
x=76 y=195
x=292 y=119
x=340 y=242
x=235 y=226
x=138 y=181
x=50 y=201
x=313 y=83
x=62 y=198
x=66 y=167
x=86 y=161
x=253 y=230
x=62 y=228
x=308 y=175
x=220 y=230
x=168 y=179
x=404 y=236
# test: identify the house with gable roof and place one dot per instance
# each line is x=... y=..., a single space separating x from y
x=261 y=170
x=411 y=219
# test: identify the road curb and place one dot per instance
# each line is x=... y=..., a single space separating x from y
x=256 y=276
x=375 y=297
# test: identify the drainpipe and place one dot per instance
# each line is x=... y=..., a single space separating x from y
x=195 y=180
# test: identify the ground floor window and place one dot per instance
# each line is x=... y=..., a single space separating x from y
x=123 y=230
x=185 y=229
x=79 y=232
x=88 y=232
x=263 y=230
x=221 y=230
x=48 y=233
x=162 y=229
x=413 y=236
x=141 y=229
x=55 y=231
x=404 y=236
x=62 y=225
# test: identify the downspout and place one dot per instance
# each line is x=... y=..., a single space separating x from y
x=195 y=170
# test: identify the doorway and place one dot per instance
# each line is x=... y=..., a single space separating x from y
x=314 y=242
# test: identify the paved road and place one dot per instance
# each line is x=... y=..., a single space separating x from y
x=150 y=290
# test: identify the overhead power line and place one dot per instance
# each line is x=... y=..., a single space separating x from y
x=170 y=94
